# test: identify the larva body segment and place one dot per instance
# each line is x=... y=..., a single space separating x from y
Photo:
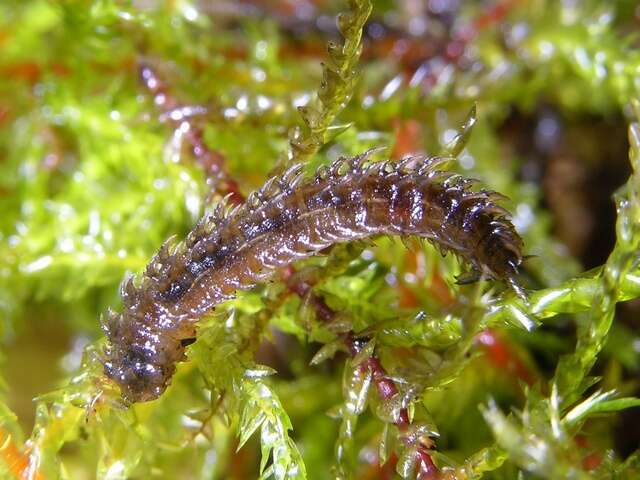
x=292 y=218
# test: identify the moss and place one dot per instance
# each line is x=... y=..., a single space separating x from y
x=94 y=177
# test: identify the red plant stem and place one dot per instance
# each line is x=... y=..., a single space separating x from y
x=181 y=117
x=32 y=72
x=503 y=356
x=591 y=460
x=16 y=461
x=385 y=386
x=494 y=14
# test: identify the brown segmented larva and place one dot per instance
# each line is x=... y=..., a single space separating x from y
x=292 y=217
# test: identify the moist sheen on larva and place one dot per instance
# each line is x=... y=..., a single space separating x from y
x=290 y=218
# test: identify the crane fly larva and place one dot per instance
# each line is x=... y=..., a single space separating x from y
x=290 y=218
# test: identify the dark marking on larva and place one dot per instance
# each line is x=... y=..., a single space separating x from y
x=292 y=218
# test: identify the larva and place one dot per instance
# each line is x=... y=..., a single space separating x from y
x=290 y=218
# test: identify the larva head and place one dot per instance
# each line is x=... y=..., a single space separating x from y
x=135 y=366
x=500 y=251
